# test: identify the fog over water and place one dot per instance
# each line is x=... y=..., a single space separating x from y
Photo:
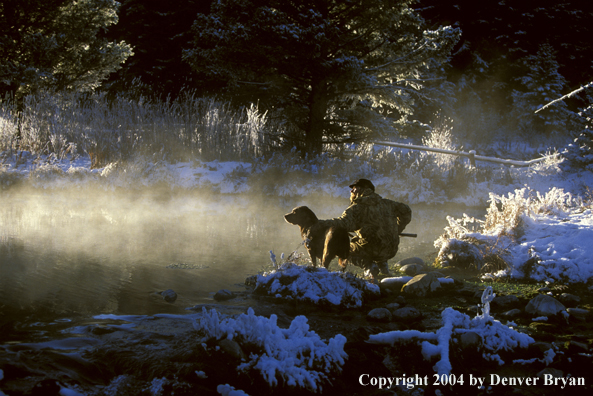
x=83 y=252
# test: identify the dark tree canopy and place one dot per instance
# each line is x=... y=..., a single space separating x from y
x=55 y=44
x=334 y=68
x=498 y=35
x=158 y=31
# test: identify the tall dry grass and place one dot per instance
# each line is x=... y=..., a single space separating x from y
x=186 y=128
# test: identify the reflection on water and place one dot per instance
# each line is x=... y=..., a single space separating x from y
x=85 y=253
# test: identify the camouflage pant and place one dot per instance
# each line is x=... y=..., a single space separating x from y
x=364 y=256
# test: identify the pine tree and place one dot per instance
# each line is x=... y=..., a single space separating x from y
x=336 y=68
x=580 y=152
x=158 y=31
x=55 y=44
x=540 y=85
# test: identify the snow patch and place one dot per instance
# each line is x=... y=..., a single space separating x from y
x=316 y=285
x=296 y=356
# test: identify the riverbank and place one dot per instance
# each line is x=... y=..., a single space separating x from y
x=166 y=354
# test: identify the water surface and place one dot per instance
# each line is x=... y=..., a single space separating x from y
x=72 y=253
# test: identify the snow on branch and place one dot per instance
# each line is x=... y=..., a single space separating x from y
x=569 y=95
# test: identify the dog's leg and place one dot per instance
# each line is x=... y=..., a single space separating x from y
x=327 y=257
x=313 y=258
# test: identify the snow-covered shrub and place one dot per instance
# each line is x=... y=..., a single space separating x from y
x=441 y=137
x=316 y=285
x=295 y=357
x=518 y=234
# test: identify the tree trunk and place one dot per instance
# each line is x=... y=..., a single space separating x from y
x=317 y=113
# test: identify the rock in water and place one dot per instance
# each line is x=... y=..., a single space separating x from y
x=169 y=295
x=544 y=305
x=223 y=295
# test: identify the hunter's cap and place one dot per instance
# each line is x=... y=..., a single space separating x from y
x=363 y=183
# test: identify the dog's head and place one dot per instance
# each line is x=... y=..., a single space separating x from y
x=301 y=216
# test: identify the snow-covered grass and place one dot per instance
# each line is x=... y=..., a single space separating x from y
x=109 y=130
x=545 y=237
x=143 y=142
x=295 y=357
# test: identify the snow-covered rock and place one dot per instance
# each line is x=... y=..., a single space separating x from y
x=316 y=285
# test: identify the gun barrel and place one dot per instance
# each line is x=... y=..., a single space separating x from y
x=405 y=234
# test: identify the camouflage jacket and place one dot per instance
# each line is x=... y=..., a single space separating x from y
x=376 y=223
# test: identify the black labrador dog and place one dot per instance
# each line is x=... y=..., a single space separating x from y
x=324 y=243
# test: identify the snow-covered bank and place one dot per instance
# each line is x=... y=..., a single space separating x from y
x=545 y=237
x=414 y=184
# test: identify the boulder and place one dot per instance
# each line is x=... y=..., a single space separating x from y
x=512 y=313
x=552 y=371
x=504 y=301
x=421 y=285
x=410 y=260
x=392 y=306
x=232 y=348
x=544 y=305
x=578 y=313
x=569 y=299
x=394 y=283
x=412 y=269
x=406 y=314
x=379 y=315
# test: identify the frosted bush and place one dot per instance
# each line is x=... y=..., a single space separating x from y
x=296 y=355
x=524 y=216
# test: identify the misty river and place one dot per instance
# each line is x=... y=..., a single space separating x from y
x=81 y=253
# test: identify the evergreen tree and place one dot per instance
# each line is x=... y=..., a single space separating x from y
x=541 y=83
x=55 y=44
x=158 y=31
x=498 y=37
x=336 y=69
x=580 y=152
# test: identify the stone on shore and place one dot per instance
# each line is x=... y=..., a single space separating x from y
x=422 y=284
x=544 y=305
x=379 y=315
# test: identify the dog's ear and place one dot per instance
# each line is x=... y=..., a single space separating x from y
x=310 y=214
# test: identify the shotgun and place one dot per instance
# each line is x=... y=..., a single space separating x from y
x=405 y=234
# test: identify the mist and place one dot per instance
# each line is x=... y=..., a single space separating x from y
x=91 y=251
